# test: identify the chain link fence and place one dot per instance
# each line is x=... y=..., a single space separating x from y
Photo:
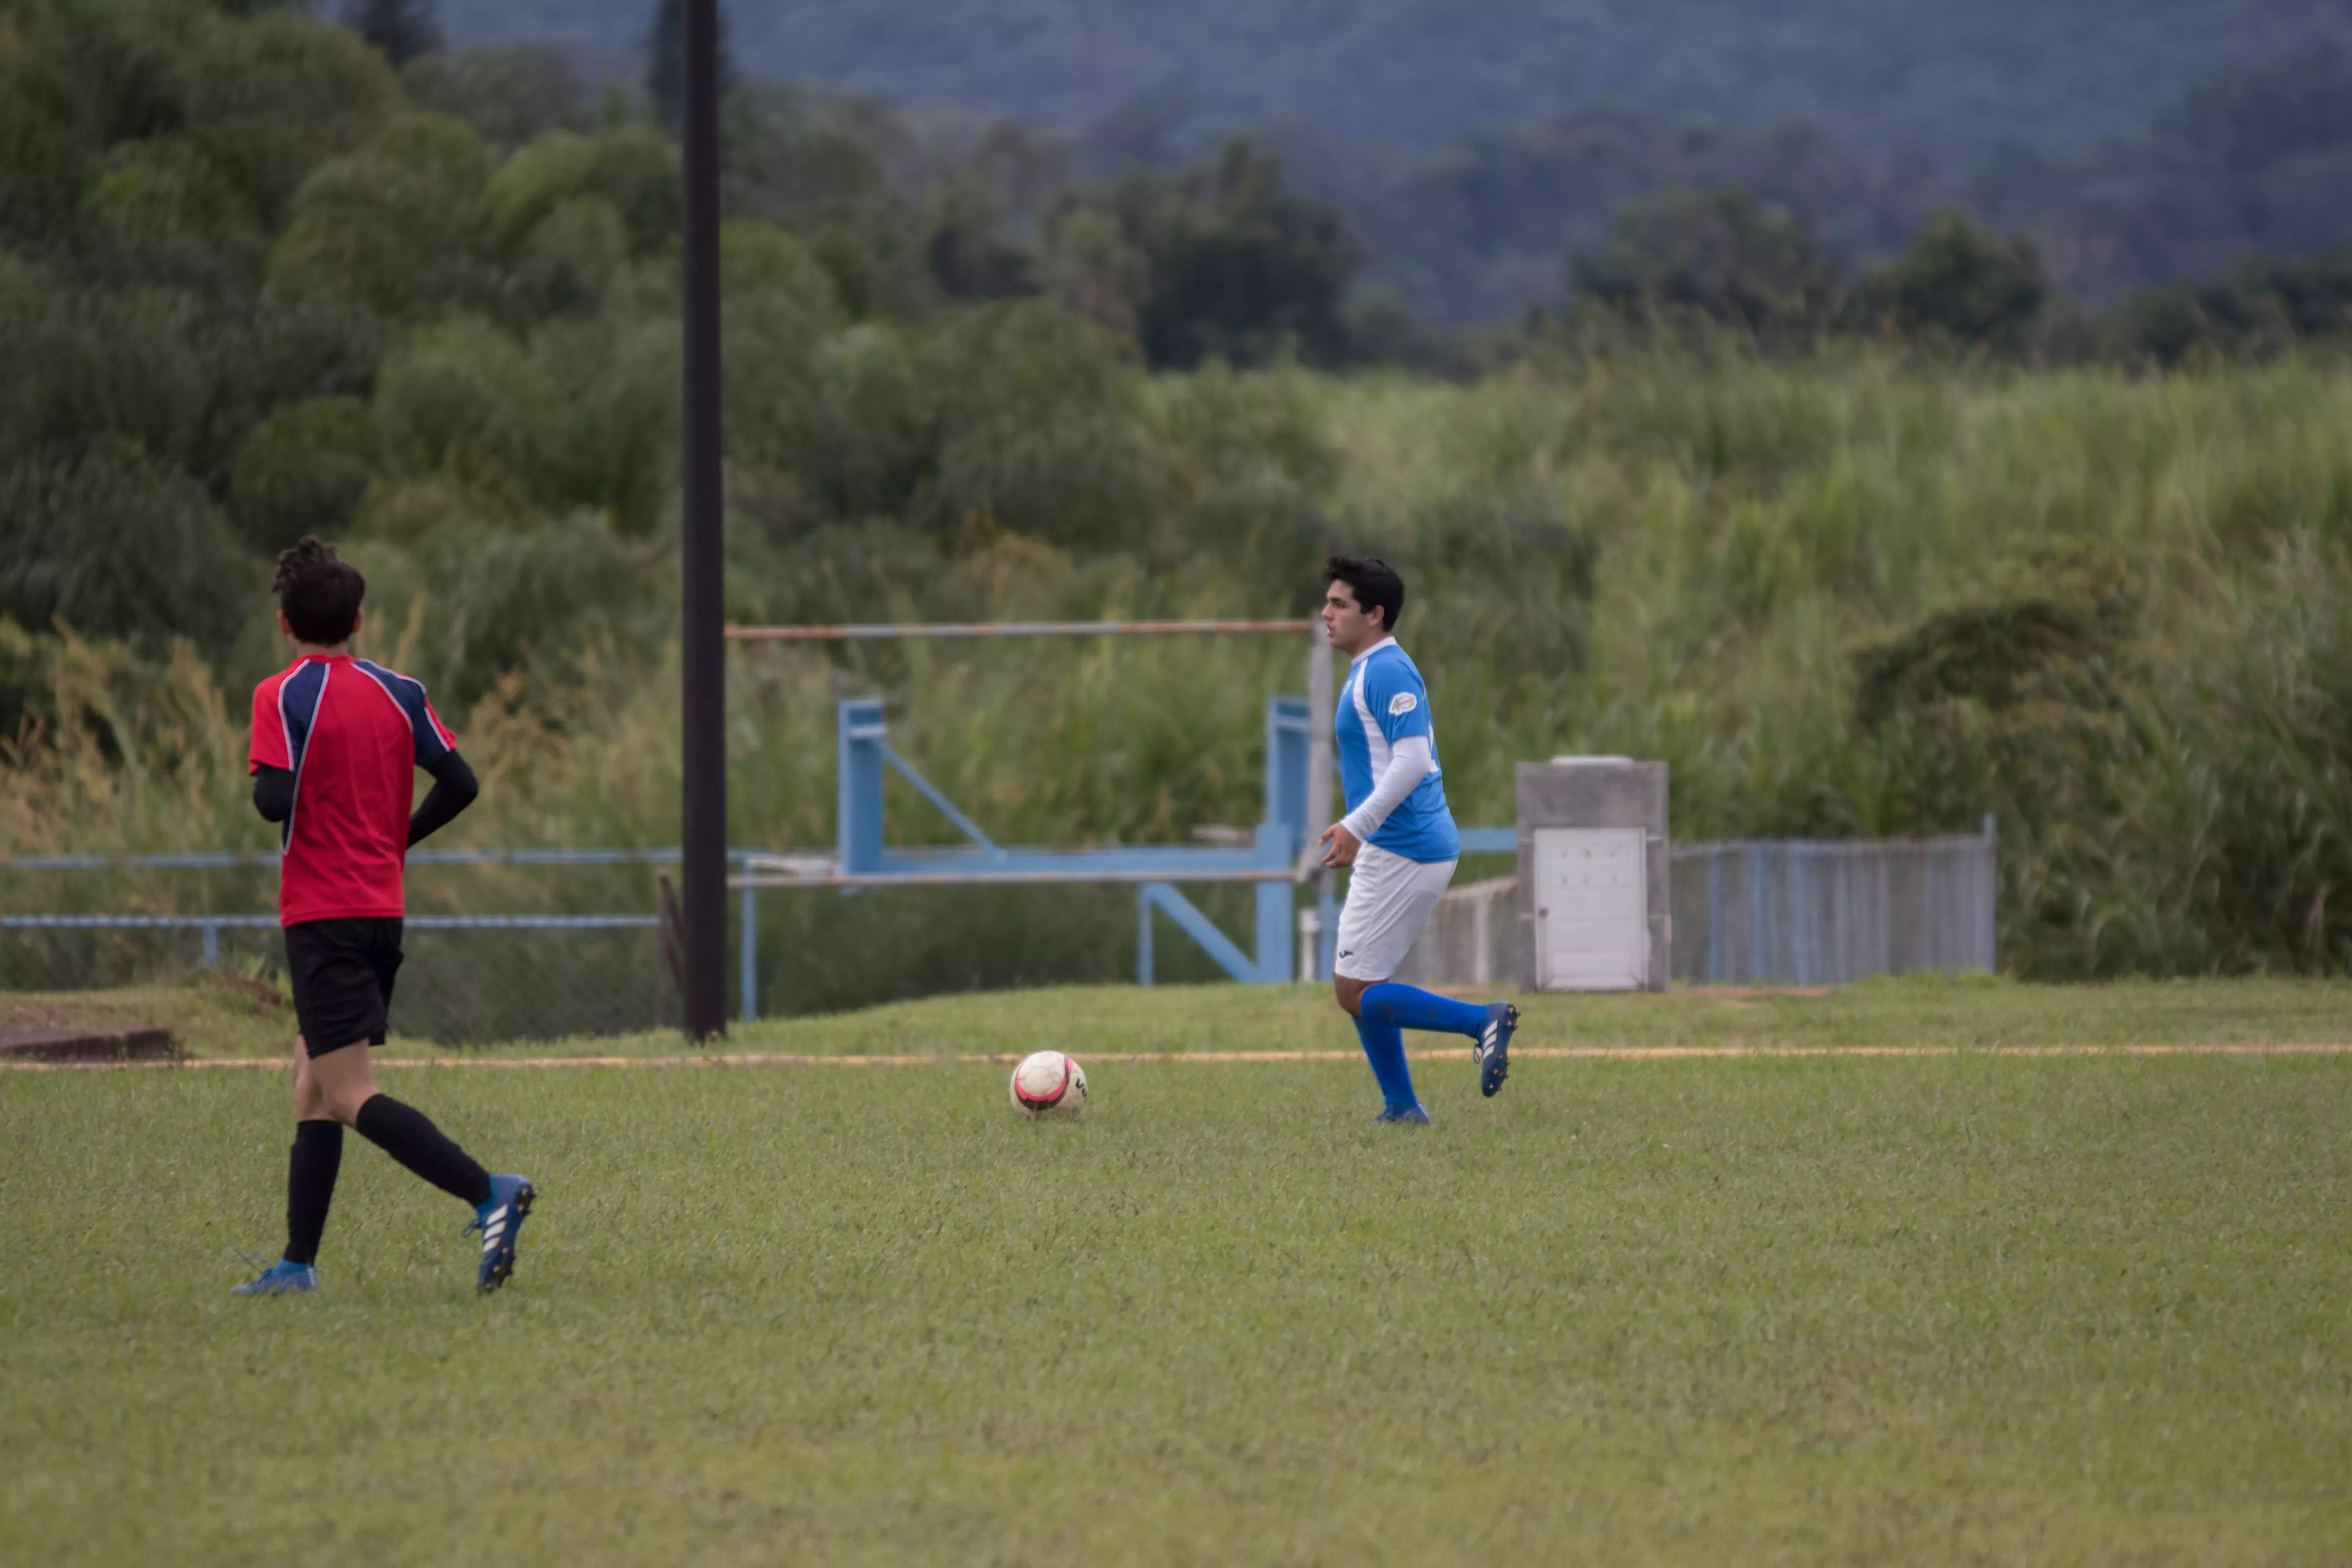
x=462 y=982
x=1806 y=913
x=472 y=976
x=1788 y=912
x=1746 y=913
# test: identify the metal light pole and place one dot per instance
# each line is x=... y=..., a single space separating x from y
x=703 y=625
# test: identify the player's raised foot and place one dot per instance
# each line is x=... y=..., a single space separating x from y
x=1409 y=1115
x=499 y=1219
x=1493 y=1048
x=280 y=1278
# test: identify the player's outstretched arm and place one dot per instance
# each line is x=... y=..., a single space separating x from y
x=453 y=789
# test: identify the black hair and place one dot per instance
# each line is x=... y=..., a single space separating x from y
x=319 y=593
x=1374 y=582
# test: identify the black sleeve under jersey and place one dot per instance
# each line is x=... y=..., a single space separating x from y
x=273 y=792
x=453 y=789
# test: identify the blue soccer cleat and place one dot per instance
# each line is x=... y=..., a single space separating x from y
x=1493 y=1047
x=1410 y=1115
x=499 y=1219
x=280 y=1278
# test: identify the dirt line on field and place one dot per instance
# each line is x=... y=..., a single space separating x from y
x=1527 y=1053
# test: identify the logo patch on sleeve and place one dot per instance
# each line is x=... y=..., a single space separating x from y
x=1403 y=703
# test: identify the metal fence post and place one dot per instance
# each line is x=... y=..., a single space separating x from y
x=1991 y=893
x=1714 y=914
x=1326 y=916
x=1143 y=935
x=749 y=962
x=1321 y=700
x=212 y=946
x=1759 y=959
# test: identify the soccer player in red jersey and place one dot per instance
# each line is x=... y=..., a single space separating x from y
x=337 y=741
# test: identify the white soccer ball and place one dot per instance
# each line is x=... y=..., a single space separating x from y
x=1048 y=1083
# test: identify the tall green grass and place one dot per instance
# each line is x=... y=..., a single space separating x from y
x=1743 y=533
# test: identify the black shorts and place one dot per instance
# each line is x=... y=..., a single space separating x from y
x=341 y=973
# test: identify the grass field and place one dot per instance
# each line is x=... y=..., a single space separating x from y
x=232 y=1020
x=1957 y=1308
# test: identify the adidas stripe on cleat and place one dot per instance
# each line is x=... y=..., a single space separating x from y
x=499 y=1220
x=1493 y=1047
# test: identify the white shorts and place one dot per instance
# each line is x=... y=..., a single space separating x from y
x=1388 y=901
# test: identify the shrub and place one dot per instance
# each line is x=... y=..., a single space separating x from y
x=303 y=470
x=116 y=545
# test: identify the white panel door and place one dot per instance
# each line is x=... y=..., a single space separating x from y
x=1593 y=910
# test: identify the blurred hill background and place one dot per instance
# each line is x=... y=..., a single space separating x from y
x=2138 y=144
x=1948 y=82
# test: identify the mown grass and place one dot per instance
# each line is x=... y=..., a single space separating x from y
x=215 y=1019
x=1943 y=1309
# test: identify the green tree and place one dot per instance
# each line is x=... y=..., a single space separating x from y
x=161 y=212
x=1040 y=432
x=632 y=167
x=116 y=545
x=1958 y=283
x=568 y=260
x=463 y=396
x=2265 y=306
x=969 y=256
x=1092 y=271
x=508 y=95
x=303 y=470
x=163 y=369
x=1713 y=256
x=396 y=227
x=1237 y=266
x=270 y=99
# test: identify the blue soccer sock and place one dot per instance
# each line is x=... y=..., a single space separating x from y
x=1384 y=1048
x=1409 y=1007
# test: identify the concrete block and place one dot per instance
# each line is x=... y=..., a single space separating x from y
x=1609 y=797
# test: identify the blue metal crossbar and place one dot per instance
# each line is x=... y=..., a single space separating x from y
x=930 y=791
x=1199 y=928
x=1271 y=860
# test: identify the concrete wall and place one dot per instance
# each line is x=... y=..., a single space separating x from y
x=1472 y=938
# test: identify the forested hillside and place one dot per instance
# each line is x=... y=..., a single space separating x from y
x=2133 y=146
x=1949 y=80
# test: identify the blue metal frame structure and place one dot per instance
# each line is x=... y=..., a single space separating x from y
x=1271 y=861
x=1275 y=860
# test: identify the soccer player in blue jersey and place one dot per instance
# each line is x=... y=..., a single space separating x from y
x=1398 y=839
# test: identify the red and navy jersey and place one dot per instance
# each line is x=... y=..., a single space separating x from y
x=354 y=734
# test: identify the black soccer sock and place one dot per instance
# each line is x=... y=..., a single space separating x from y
x=317 y=1155
x=408 y=1136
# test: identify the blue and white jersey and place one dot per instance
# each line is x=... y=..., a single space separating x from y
x=1382 y=702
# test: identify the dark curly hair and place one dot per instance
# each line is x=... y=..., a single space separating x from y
x=1374 y=582
x=319 y=593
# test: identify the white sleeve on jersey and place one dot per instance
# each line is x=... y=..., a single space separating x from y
x=1409 y=762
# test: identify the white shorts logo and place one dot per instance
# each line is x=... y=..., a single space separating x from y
x=1403 y=703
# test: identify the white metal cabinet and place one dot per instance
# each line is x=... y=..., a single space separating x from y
x=1591 y=908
